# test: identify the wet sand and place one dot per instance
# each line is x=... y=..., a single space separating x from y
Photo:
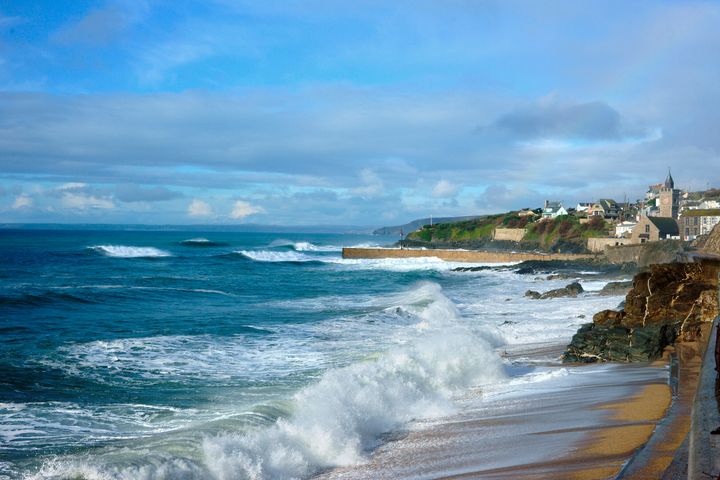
x=586 y=425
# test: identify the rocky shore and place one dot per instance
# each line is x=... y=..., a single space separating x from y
x=668 y=303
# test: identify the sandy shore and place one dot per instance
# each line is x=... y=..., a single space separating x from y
x=465 y=256
x=587 y=427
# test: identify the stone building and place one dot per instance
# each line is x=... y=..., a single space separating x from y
x=698 y=222
x=652 y=229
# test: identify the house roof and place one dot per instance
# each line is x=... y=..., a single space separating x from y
x=702 y=212
x=666 y=225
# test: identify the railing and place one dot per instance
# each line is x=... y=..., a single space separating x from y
x=704 y=447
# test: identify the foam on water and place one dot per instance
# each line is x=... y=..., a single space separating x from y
x=336 y=420
x=392 y=264
x=124 y=251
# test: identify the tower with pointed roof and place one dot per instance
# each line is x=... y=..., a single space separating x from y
x=669 y=198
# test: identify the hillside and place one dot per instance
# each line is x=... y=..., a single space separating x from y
x=562 y=234
x=415 y=224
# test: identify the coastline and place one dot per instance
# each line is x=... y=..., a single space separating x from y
x=468 y=256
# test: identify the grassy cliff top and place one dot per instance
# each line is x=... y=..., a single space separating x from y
x=547 y=234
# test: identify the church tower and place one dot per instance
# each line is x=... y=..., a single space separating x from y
x=669 y=198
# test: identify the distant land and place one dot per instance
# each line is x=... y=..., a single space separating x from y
x=416 y=224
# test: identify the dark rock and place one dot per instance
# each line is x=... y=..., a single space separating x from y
x=598 y=343
x=558 y=276
x=616 y=288
x=570 y=290
x=525 y=271
x=532 y=294
x=608 y=318
x=581 y=316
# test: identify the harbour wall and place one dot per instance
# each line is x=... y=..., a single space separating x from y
x=469 y=256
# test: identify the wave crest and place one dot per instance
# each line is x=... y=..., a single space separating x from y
x=341 y=417
x=124 y=251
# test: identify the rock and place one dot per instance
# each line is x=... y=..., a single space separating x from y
x=581 y=316
x=471 y=269
x=532 y=294
x=525 y=271
x=557 y=276
x=570 y=290
x=608 y=318
x=670 y=293
x=667 y=303
x=616 y=288
x=597 y=343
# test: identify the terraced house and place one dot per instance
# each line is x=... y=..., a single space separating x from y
x=694 y=223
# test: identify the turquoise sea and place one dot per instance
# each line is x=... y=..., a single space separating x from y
x=171 y=354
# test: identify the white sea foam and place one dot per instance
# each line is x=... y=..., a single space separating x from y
x=305 y=246
x=392 y=264
x=124 y=251
x=338 y=419
x=186 y=358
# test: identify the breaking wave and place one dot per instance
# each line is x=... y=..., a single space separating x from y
x=124 y=251
x=337 y=420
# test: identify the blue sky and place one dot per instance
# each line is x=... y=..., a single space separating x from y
x=333 y=112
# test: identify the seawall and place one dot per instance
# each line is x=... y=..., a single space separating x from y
x=469 y=256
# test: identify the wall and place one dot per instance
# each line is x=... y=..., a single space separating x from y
x=473 y=256
x=644 y=254
x=598 y=245
x=511 y=234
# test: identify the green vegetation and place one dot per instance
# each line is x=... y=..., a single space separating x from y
x=564 y=232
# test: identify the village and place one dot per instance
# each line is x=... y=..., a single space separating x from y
x=666 y=213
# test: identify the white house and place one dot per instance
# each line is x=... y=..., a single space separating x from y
x=625 y=228
x=553 y=209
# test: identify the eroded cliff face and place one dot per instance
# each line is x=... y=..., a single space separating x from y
x=667 y=303
x=712 y=243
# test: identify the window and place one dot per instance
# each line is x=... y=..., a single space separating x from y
x=695 y=220
x=687 y=232
x=647 y=228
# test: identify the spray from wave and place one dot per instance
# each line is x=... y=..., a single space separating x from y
x=339 y=419
x=304 y=246
x=124 y=251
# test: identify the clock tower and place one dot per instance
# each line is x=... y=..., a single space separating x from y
x=669 y=198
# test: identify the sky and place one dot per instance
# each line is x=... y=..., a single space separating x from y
x=368 y=113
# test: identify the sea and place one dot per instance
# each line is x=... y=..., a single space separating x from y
x=231 y=355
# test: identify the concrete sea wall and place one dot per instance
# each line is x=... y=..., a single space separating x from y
x=470 y=256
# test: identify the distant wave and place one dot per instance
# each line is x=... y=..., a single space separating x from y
x=201 y=242
x=124 y=251
x=304 y=246
x=285 y=256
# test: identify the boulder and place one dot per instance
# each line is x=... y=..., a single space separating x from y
x=525 y=271
x=570 y=290
x=616 y=288
x=597 y=343
x=532 y=294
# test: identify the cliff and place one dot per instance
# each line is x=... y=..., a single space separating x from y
x=563 y=234
x=667 y=303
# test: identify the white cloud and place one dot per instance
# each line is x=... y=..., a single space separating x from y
x=72 y=186
x=373 y=185
x=22 y=201
x=444 y=189
x=242 y=209
x=198 y=208
x=82 y=201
